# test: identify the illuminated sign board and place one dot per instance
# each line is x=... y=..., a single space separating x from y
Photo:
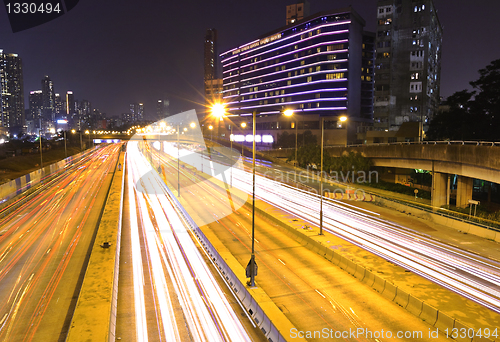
x=258 y=43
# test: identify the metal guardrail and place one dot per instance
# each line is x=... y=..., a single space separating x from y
x=445 y=142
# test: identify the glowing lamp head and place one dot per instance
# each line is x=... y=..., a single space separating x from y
x=185 y=129
x=288 y=112
x=192 y=125
x=343 y=118
x=243 y=124
x=210 y=127
x=73 y=131
x=218 y=110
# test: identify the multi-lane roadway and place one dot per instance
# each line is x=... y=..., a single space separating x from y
x=44 y=246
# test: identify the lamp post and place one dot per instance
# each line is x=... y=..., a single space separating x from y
x=243 y=125
x=344 y=119
x=252 y=258
x=178 y=162
x=211 y=135
x=41 y=157
x=65 y=150
x=87 y=132
x=322 y=119
x=289 y=113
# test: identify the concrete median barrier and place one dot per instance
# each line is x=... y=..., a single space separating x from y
x=389 y=291
x=414 y=306
x=343 y=263
x=369 y=278
x=336 y=258
x=351 y=267
x=402 y=297
x=360 y=272
x=462 y=338
x=378 y=284
x=429 y=313
x=444 y=321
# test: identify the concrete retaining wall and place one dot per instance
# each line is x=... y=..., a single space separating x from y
x=19 y=185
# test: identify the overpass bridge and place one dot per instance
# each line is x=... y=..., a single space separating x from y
x=467 y=160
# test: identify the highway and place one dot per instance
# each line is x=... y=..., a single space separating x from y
x=175 y=296
x=468 y=274
x=312 y=293
x=44 y=248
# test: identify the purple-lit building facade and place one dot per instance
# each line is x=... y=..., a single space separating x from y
x=320 y=66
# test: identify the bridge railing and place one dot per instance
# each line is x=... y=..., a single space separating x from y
x=445 y=142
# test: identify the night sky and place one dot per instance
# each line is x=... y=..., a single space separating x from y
x=114 y=53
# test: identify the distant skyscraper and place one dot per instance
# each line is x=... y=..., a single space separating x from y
x=210 y=55
x=408 y=63
x=48 y=99
x=58 y=106
x=11 y=93
x=162 y=109
x=70 y=103
x=213 y=85
x=36 y=105
x=137 y=112
x=296 y=12
x=84 y=114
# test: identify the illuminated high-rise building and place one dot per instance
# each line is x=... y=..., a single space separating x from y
x=407 y=64
x=11 y=93
x=48 y=100
x=70 y=103
x=137 y=112
x=321 y=67
x=210 y=55
x=162 y=109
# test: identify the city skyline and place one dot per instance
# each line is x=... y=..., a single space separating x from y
x=92 y=57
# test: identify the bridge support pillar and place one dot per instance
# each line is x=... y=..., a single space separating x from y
x=440 y=192
x=464 y=191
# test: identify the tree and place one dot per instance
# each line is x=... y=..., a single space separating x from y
x=472 y=115
x=351 y=163
x=286 y=139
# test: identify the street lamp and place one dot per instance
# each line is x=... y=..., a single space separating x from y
x=322 y=119
x=218 y=111
x=178 y=163
x=87 y=132
x=344 y=119
x=289 y=113
x=41 y=158
x=211 y=128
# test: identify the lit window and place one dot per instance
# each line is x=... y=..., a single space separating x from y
x=309 y=79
